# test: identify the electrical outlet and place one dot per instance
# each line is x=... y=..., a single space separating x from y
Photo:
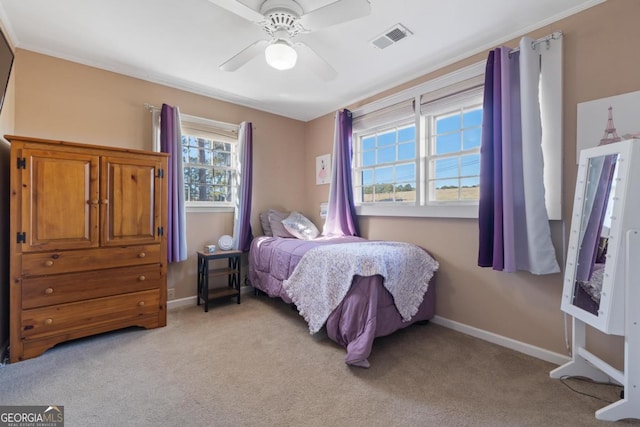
x=171 y=293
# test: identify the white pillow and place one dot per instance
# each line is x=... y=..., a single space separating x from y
x=300 y=226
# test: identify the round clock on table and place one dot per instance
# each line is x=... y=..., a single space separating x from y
x=225 y=242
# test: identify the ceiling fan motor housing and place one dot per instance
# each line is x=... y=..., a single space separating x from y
x=281 y=15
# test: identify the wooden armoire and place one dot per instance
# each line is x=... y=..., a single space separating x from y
x=88 y=250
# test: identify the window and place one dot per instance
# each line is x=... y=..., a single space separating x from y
x=453 y=136
x=209 y=155
x=421 y=161
x=387 y=165
x=209 y=175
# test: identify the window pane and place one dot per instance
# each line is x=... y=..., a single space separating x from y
x=407 y=151
x=405 y=193
x=209 y=170
x=384 y=175
x=367 y=177
x=407 y=134
x=387 y=138
x=470 y=165
x=387 y=154
x=470 y=189
x=406 y=173
x=446 y=168
x=221 y=193
x=221 y=159
x=471 y=138
x=472 y=118
x=446 y=190
x=448 y=124
x=368 y=158
x=447 y=143
x=368 y=143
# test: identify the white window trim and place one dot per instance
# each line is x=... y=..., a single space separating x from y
x=432 y=209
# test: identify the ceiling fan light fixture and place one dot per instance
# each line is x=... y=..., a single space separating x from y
x=280 y=55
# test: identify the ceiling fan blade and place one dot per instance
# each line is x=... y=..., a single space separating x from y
x=244 y=56
x=239 y=9
x=335 y=13
x=320 y=67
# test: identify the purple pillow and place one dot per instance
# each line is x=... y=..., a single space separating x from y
x=264 y=223
x=275 y=221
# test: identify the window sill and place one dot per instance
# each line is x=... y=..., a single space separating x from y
x=208 y=209
x=430 y=211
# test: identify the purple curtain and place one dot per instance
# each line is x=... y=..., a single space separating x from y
x=490 y=213
x=513 y=224
x=341 y=213
x=242 y=220
x=171 y=142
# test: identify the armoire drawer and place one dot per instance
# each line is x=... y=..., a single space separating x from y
x=46 y=263
x=62 y=288
x=58 y=319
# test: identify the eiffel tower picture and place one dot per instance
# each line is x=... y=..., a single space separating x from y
x=610 y=134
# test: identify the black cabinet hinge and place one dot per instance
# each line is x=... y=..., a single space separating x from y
x=160 y=231
x=160 y=173
x=21 y=163
x=21 y=237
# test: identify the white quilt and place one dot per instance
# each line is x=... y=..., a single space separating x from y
x=323 y=276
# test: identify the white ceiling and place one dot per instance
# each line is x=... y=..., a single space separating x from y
x=181 y=43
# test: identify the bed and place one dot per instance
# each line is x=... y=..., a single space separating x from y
x=363 y=306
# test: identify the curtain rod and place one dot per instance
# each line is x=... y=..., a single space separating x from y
x=153 y=108
x=546 y=39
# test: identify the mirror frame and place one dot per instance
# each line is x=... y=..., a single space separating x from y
x=611 y=313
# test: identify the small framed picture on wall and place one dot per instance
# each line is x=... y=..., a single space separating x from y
x=323 y=169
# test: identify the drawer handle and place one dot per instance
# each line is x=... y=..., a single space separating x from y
x=141 y=304
x=48 y=291
x=48 y=263
x=105 y=201
x=48 y=321
x=142 y=255
x=94 y=202
x=142 y=278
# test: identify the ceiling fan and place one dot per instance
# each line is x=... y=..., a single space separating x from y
x=282 y=21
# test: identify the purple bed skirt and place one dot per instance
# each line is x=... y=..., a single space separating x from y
x=367 y=311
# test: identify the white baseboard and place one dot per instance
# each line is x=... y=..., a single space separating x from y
x=181 y=302
x=540 y=353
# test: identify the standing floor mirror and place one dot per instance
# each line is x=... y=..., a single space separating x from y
x=602 y=276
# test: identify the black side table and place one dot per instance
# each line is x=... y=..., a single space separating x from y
x=232 y=272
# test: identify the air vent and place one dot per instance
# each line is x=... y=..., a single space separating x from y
x=391 y=36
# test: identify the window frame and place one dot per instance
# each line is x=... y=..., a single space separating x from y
x=404 y=123
x=206 y=126
x=428 y=114
x=437 y=89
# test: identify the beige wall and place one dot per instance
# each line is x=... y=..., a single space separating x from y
x=599 y=61
x=63 y=100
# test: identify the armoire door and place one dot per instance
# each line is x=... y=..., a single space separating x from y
x=131 y=199
x=59 y=203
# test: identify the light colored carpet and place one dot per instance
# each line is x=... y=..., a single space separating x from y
x=255 y=364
